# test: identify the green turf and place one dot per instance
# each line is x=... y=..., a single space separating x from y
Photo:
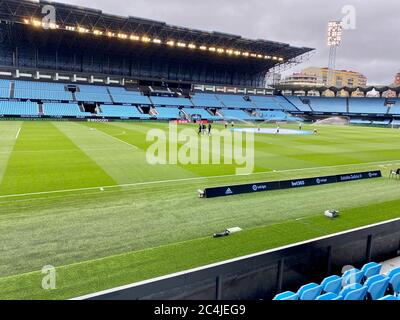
x=156 y=224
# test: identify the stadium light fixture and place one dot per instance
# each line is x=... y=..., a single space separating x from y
x=122 y=35
x=36 y=23
x=83 y=30
x=334 y=33
x=146 y=39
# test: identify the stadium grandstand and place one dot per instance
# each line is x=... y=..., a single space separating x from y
x=119 y=61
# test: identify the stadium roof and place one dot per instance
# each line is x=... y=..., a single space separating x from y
x=90 y=21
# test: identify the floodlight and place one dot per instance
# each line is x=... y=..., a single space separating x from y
x=334 y=33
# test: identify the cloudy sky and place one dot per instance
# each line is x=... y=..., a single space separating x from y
x=372 y=47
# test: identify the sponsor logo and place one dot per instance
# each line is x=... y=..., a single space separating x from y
x=228 y=191
x=321 y=180
x=298 y=183
x=259 y=187
x=373 y=174
x=351 y=177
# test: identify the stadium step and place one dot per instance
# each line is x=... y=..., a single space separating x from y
x=12 y=89
x=291 y=103
x=111 y=97
x=41 y=110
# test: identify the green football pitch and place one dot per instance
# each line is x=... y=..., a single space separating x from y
x=81 y=197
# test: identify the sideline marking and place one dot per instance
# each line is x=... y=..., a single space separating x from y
x=187 y=179
x=17 y=135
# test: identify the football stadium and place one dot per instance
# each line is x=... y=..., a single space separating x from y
x=140 y=160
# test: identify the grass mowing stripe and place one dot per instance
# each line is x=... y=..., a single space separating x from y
x=39 y=173
x=7 y=144
x=88 y=277
x=127 y=185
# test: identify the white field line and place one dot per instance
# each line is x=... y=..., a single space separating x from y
x=102 y=188
x=119 y=140
x=17 y=135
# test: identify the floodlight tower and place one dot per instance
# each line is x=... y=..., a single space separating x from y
x=334 y=40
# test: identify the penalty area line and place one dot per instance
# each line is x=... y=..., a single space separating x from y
x=103 y=188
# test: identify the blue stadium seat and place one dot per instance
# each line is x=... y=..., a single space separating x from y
x=394 y=284
x=356 y=295
x=352 y=276
x=309 y=291
x=351 y=287
x=377 y=286
x=389 y=298
x=332 y=284
x=329 y=296
x=371 y=269
x=393 y=272
x=288 y=295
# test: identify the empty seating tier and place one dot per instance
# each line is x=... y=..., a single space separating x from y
x=234 y=101
x=168 y=101
x=168 y=113
x=90 y=93
x=204 y=114
x=121 y=112
x=64 y=109
x=18 y=108
x=367 y=106
x=236 y=115
x=207 y=100
x=121 y=95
